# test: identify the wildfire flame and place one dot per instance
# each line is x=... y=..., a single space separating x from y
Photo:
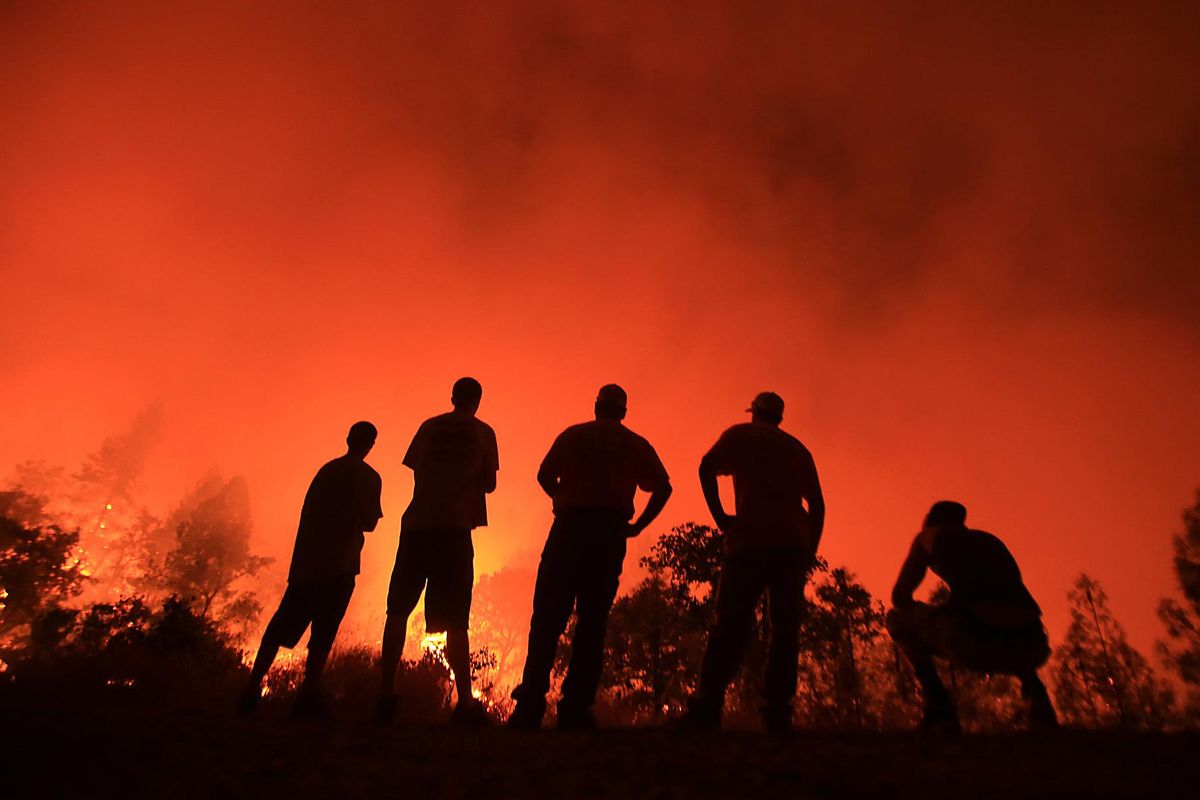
x=435 y=644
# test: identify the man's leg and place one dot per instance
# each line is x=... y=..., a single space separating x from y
x=404 y=590
x=909 y=628
x=468 y=711
x=448 y=606
x=785 y=597
x=394 y=628
x=267 y=651
x=737 y=595
x=553 y=597
x=1037 y=700
x=330 y=603
x=287 y=625
x=458 y=656
x=601 y=575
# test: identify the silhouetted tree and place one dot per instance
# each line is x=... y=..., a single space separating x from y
x=850 y=674
x=654 y=648
x=39 y=567
x=103 y=505
x=1181 y=650
x=1099 y=679
x=688 y=562
x=500 y=608
x=842 y=625
x=212 y=557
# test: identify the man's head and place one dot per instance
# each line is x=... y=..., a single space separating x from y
x=766 y=407
x=361 y=439
x=611 y=402
x=946 y=514
x=466 y=394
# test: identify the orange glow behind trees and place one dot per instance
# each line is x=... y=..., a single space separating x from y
x=961 y=246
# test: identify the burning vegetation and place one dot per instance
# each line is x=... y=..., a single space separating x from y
x=100 y=597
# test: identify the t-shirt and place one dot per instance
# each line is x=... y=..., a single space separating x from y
x=983 y=577
x=342 y=502
x=454 y=459
x=773 y=476
x=600 y=465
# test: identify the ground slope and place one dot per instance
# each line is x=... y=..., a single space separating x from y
x=48 y=753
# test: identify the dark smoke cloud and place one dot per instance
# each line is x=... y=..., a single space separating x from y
x=959 y=238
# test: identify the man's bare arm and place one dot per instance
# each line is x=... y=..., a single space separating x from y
x=712 y=496
x=548 y=481
x=816 y=513
x=654 y=506
x=911 y=575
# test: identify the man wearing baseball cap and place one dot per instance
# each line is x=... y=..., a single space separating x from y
x=591 y=473
x=770 y=545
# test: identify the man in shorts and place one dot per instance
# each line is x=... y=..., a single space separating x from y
x=591 y=473
x=454 y=462
x=770 y=545
x=341 y=504
x=991 y=623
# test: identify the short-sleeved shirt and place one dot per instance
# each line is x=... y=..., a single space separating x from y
x=600 y=465
x=453 y=457
x=773 y=476
x=983 y=577
x=342 y=502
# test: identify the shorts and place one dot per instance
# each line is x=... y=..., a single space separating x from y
x=442 y=564
x=321 y=604
x=953 y=635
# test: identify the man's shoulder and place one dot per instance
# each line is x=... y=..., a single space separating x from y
x=740 y=429
x=793 y=441
x=985 y=536
x=333 y=465
x=484 y=428
x=579 y=429
x=753 y=432
x=635 y=439
x=453 y=419
x=438 y=420
x=343 y=468
x=356 y=466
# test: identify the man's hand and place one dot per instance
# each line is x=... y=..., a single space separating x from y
x=724 y=521
x=633 y=529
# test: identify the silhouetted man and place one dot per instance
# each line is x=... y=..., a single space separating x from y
x=770 y=543
x=454 y=462
x=341 y=504
x=991 y=622
x=592 y=473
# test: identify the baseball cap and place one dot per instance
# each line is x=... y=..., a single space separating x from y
x=767 y=403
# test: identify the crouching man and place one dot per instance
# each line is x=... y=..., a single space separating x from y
x=991 y=622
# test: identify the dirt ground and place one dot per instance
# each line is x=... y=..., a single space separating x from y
x=47 y=753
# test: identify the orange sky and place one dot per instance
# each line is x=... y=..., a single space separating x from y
x=960 y=242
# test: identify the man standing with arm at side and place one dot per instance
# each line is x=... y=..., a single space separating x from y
x=591 y=473
x=454 y=462
x=770 y=545
x=342 y=503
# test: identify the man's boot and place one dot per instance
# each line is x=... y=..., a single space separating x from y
x=703 y=714
x=528 y=713
x=1037 y=700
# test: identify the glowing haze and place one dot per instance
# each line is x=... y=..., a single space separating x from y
x=960 y=242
